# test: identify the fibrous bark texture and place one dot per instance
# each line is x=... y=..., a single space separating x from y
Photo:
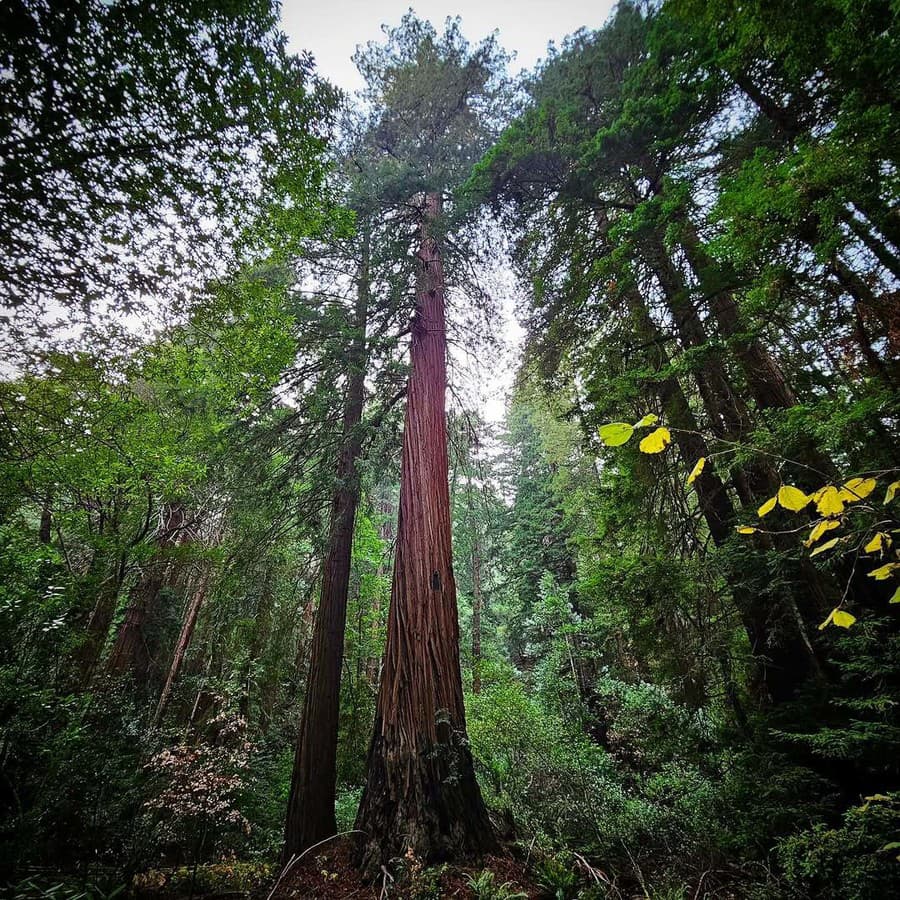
x=421 y=793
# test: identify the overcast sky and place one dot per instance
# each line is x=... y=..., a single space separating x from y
x=331 y=29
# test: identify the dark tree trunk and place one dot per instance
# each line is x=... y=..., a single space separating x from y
x=782 y=651
x=132 y=651
x=97 y=630
x=46 y=528
x=310 y=816
x=421 y=794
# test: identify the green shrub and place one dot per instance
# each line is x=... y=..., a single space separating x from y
x=856 y=861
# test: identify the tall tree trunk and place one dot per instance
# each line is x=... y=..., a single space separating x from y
x=421 y=794
x=310 y=816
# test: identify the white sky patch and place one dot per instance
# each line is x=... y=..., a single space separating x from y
x=332 y=29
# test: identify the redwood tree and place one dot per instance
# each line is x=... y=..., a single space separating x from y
x=421 y=791
x=435 y=101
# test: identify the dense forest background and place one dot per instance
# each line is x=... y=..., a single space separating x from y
x=675 y=568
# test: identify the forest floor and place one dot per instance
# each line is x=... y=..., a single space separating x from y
x=331 y=875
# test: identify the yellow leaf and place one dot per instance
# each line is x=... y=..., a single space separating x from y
x=882 y=573
x=857 y=489
x=820 y=529
x=891 y=492
x=616 y=433
x=896 y=597
x=792 y=498
x=828 y=501
x=656 y=441
x=843 y=619
x=746 y=529
x=649 y=419
x=880 y=541
x=823 y=547
x=838 y=617
x=767 y=507
x=698 y=468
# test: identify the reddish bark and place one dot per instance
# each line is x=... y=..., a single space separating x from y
x=421 y=793
x=310 y=816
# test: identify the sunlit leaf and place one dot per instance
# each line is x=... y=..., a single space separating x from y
x=792 y=498
x=838 y=617
x=616 y=433
x=823 y=547
x=896 y=596
x=698 y=468
x=843 y=619
x=656 y=441
x=767 y=507
x=819 y=529
x=857 y=489
x=747 y=529
x=649 y=419
x=891 y=492
x=882 y=573
x=880 y=541
x=828 y=501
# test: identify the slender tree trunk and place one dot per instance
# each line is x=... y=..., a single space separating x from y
x=311 y=816
x=192 y=612
x=131 y=651
x=477 y=606
x=46 y=528
x=386 y=533
x=421 y=794
x=477 y=598
x=97 y=630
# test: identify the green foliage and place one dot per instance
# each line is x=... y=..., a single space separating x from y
x=557 y=876
x=484 y=886
x=856 y=858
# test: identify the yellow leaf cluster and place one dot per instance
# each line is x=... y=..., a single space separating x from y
x=857 y=489
x=792 y=498
x=828 y=501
